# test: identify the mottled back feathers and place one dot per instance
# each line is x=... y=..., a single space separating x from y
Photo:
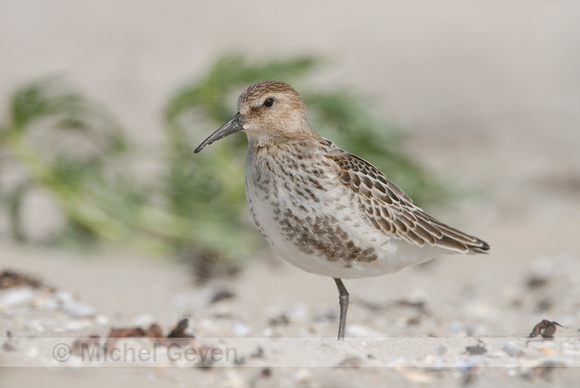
x=390 y=210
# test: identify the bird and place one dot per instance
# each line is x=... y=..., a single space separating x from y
x=323 y=209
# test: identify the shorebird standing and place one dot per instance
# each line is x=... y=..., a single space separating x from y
x=323 y=209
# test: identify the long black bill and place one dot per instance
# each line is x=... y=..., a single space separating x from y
x=236 y=124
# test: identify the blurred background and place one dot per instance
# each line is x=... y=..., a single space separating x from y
x=473 y=108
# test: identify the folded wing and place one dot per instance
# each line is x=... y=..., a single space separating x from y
x=390 y=210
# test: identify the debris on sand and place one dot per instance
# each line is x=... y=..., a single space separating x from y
x=280 y=320
x=12 y=279
x=222 y=295
x=546 y=329
x=179 y=335
x=477 y=349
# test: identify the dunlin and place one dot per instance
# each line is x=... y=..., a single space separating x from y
x=323 y=209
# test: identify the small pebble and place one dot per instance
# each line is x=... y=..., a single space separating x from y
x=16 y=297
x=470 y=364
x=101 y=320
x=548 y=351
x=441 y=350
x=78 y=309
x=233 y=379
x=513 y=350
x=240 y=329
x=143 y=320
x=303 y=377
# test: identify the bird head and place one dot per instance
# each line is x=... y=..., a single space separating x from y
x=267 y=111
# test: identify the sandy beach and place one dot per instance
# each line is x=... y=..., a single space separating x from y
x=488 y=96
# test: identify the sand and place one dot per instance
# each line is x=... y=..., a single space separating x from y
x=488 y=95
x=411 y=327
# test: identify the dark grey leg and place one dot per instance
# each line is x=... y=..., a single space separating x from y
x=343 y=301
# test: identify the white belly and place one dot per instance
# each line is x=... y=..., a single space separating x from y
x=324 y=232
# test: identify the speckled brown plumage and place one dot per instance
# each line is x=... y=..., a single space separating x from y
x=323 y=209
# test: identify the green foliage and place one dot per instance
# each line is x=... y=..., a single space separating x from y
x=75 y=150
x=45 y=121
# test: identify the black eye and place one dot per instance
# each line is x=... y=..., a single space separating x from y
x=269 y=102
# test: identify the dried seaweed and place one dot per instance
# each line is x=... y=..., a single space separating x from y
x=546 y=329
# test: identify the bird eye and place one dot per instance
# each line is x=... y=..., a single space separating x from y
x=269 y=102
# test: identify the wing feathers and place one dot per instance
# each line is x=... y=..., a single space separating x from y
x=390 y=210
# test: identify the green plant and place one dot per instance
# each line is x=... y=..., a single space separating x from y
x=73 y=149
x=46 y=121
